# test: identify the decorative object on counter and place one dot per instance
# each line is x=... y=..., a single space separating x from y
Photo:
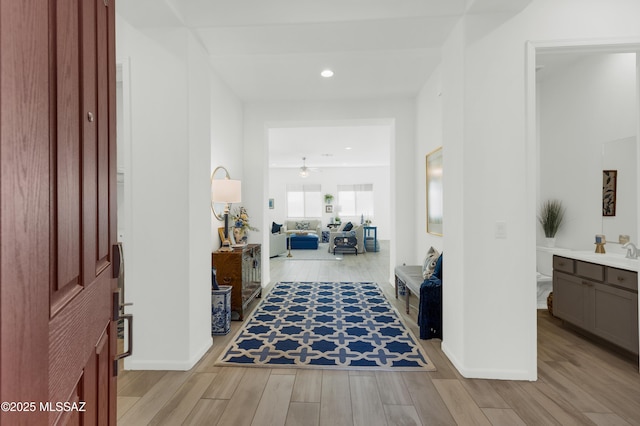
x=632 y=250
x=600 y=242
x=241 y=225
x=623 y=239
x=609 y=184
x=551 y=216
x=328 y=198
x=224 y=192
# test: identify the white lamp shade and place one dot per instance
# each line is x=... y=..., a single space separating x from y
x=226 y=191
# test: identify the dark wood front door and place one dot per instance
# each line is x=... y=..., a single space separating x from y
x=57 y=212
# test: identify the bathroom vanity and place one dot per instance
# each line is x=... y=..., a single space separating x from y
x=599 y=294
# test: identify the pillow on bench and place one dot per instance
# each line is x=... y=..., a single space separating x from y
x=429 y=264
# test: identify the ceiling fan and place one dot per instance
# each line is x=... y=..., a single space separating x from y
x=304 y=170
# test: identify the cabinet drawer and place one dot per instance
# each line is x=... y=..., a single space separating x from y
x=622 y=278
x=590 y=271
x=563 y=264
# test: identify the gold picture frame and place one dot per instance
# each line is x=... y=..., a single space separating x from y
x=221 y=235
x=434 y=192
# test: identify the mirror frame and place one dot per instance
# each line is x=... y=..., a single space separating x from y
x=218 y=207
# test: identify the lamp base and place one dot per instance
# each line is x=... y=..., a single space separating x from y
x=226 y=246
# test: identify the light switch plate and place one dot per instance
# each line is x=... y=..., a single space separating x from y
x=501 y=230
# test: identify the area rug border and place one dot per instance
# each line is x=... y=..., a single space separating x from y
x=430 y=367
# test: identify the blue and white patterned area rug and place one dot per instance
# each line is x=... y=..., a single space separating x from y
x=339 y=325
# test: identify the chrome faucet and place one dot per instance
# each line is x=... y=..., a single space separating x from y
x=632 y=251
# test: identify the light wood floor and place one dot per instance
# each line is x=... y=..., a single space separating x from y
x=580 y=383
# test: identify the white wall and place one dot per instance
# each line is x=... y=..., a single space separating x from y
x=329 y=179
x=400 y=114
x=167 y=249
x=428 y=138
x=489 y=289
x=582 y=106
x=226 y=141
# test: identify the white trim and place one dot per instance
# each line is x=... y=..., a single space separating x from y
x=472 y=373
x=187 y=365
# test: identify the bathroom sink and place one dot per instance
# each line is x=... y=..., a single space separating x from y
x=609 y=259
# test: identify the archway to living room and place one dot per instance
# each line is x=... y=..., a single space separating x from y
x=329 y=172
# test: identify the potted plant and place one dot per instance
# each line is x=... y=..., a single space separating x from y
x=328 y=198
x=551 y=216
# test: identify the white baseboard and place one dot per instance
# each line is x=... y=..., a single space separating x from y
x=475 y=373
x=138 y=364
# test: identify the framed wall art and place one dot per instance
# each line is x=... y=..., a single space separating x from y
x=609 y=186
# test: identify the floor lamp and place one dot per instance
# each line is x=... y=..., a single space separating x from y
x=226 y=191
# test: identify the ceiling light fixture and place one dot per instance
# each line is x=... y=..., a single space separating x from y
x=304 y=172
x=327 y=73
x=348 y=148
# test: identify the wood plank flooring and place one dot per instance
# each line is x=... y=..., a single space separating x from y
x=580 y=382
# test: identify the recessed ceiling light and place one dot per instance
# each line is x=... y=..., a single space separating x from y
x=348 y=148
x=326 y=73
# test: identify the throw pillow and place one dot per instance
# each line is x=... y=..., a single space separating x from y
x=348 y=227
x=437 y=271
x=429 y=263
x=275 y=228
x=302 y=226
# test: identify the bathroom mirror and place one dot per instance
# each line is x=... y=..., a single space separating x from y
x=621 y=155
x=218 y=208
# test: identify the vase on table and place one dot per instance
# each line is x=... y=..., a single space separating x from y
x=240 y=235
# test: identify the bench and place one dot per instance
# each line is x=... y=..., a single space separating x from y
x=411 y=277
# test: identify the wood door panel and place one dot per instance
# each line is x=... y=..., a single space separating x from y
x=65 y=151
x=57 y=208
x=24 y=205
x=103 y=138
x=74 y=333
x=89 y=142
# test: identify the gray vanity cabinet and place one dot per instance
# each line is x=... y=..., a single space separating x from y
x=599 y=299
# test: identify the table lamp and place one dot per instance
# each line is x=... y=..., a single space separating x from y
x=226 y=191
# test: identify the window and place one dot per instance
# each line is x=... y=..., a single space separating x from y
x=356 y=200
x=304 y=201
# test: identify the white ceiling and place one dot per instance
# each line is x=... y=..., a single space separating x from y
x=275 y=49
x=327 y=146
x=267 y=50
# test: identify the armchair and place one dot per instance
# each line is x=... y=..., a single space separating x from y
x=277 y=244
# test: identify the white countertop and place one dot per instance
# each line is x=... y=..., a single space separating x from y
x=608 y=259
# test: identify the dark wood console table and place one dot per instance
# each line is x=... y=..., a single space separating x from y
x=241 y=269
